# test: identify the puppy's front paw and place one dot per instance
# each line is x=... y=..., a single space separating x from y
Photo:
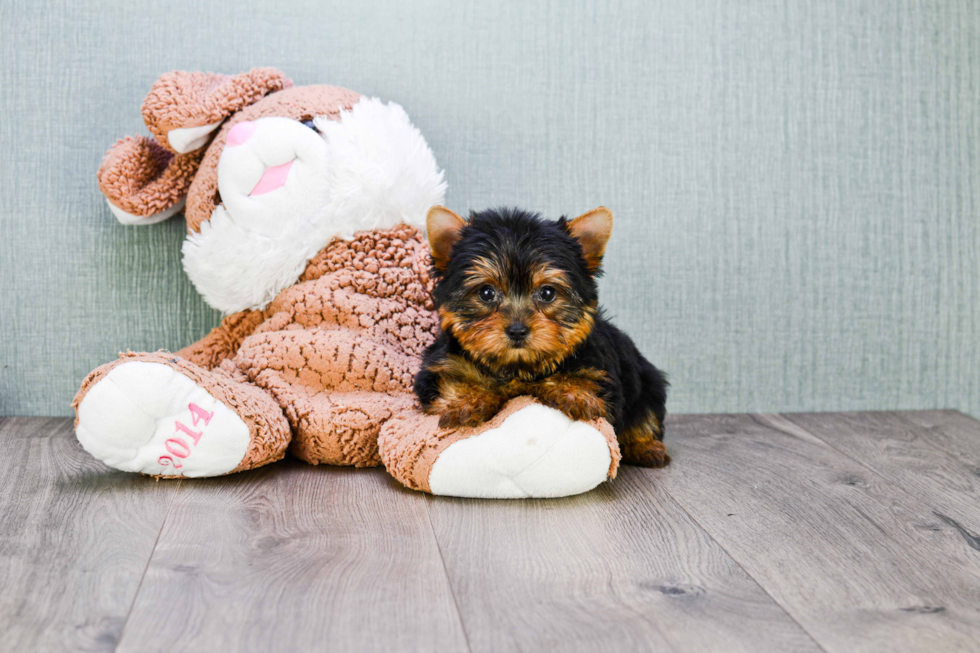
x=459 y=416
x=462 y=412
x=578 y=398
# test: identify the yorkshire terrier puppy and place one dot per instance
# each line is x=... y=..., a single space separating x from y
x=518 y=306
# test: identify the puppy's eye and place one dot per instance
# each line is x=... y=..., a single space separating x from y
x=487 y=294
x=547 y=294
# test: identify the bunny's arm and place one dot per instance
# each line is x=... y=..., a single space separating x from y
x=224 y=340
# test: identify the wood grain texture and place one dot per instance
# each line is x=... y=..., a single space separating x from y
x=75 y=538
x=859 y=563
x=621 y=568
x=759 y=536
x=295 y=558
x=932 y=455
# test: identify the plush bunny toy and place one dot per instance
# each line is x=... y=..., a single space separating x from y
x=303 y=208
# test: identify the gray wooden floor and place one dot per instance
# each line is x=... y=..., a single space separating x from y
x=833 y=532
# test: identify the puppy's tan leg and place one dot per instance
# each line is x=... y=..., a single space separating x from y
x=577 y=395
x=465 y=404
x=467 y=397
x=641 y=445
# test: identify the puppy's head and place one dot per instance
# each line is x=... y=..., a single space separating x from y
x=518 y=292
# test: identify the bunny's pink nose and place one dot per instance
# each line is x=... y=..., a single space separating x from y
x=240 y=133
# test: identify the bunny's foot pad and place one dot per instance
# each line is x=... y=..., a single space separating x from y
x=527 y=450
x=160 y=415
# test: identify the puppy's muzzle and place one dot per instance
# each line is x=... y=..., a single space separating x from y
x=517 y=332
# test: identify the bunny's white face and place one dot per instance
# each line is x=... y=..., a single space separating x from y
x=273 y=175
x=288 y=187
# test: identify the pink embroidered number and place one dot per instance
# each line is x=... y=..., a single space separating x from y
x=198 y=414
x=178 y=447
x=194 y=434
x=172 y=444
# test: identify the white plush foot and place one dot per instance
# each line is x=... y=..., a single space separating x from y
x=536 y=452
x=150 y=418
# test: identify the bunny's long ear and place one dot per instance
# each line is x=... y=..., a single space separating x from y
x=144 y=180
x=184 y=108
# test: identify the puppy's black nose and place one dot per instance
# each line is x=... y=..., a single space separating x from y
x=517 y=331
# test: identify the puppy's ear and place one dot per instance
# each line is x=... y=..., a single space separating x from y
x=443 y=227
x=592 y=231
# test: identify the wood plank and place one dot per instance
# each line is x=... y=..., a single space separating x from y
x=933 y=455
x=75 y=538
x=620 y=568
x=862 y=565
x=293 y=557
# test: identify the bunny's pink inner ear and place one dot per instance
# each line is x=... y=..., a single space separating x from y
x=183 y=109
x=144 y=182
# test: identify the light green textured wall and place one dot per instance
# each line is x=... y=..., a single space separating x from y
x=796 y=184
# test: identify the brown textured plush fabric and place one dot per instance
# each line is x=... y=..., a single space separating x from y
x=182 y=99
x=142 y=177
x=224 y=340
x=339 y=349
x=410 y=443
x=353 y=421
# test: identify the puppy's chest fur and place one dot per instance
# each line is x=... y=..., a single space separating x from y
x=577 y=390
